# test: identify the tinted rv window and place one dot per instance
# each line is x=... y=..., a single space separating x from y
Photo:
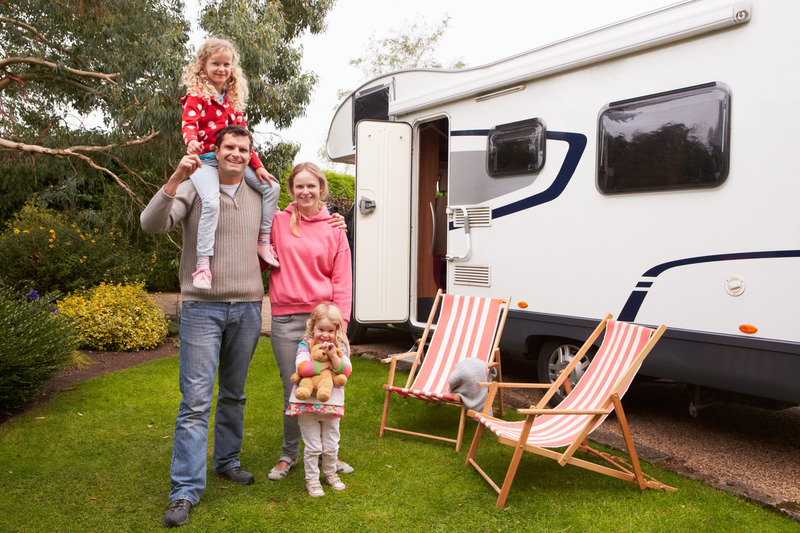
x=371 y=104
x=516 y=148
x=674 y=140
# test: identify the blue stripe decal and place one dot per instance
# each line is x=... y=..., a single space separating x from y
x=644 y=284
x=470 y=133
x=577 y=143
x=635 y=300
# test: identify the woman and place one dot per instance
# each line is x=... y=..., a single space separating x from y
x=315 y=268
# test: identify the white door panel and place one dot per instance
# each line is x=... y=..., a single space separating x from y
x=383 y=221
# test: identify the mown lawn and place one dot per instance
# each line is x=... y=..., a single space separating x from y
x=96 y=458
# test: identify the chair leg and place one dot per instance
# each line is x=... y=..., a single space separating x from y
x=512 y=471
x=385 y=412
x=461 y=424
x=626 y=435
x=476 y=440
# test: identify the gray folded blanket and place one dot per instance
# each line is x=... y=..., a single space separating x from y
x=464 y=380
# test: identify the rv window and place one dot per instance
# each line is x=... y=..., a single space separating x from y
x=516 y=148
x=371 y=104
x=674 y=140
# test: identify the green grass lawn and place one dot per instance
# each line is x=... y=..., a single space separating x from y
x=96 y=458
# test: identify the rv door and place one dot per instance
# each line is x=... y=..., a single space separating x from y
x=382 y=245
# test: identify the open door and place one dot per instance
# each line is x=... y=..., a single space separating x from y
x=382 y=246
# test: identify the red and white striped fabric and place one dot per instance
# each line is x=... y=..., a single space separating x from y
x=621 y=344
x=466 y=328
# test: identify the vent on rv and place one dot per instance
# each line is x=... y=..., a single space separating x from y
x=479 y=276
x=479 y=217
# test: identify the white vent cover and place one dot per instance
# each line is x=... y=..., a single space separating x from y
x=479 y=276
x=479 y=217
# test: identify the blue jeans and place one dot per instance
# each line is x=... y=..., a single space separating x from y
x=215 y=336
x=287 y=332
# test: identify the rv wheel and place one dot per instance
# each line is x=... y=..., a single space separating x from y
x=554 y=356
x=356 y=331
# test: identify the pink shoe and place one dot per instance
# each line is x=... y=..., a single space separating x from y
x=267 y=253
x=201 y=279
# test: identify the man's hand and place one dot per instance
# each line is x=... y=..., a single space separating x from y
x=337 y=221
x=187 y=166
x=194 y=148
x=263 y=175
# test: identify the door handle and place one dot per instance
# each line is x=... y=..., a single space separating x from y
x=365 y=205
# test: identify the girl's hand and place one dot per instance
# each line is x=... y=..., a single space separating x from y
x=263 y=175
x=336 y=361
x=194 y=147
x=337 y=221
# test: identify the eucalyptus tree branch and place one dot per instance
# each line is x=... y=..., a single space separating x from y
x=111 y=78
x=69 y=153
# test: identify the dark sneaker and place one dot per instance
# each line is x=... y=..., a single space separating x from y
x=178 y=513
x=237 y=475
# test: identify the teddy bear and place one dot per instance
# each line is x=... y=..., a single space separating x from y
x=323 y=382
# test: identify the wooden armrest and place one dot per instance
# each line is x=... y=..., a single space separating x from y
x=563 y=411
x=472 y=413
x=505 y=385
x=406 y=355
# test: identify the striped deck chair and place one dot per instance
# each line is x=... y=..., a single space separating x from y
x=585 y=407
x=468 y=327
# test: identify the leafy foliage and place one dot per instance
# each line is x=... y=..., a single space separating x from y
x=89 y=99
x=45 y=249
x=341 y=191
x=116 y=317
x=34 y=343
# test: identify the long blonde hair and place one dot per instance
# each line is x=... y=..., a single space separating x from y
x=294 y=222
x=330 y=312
x=196 y=80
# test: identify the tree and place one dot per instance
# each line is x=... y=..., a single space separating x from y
x=89 y=98
x=412 y=46
x=64 y=61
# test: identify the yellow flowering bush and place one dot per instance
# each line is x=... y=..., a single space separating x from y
x=116 y=317
x=43 y=248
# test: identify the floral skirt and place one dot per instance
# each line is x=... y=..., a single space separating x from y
x=295 y=409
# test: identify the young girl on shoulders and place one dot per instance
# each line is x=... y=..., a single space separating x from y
x=216 y=93
x=318 y=420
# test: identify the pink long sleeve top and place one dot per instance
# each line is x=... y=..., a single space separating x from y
x=315 y=267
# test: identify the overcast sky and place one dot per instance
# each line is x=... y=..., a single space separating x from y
x=479 y=32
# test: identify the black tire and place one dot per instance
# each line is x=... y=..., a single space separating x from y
x=356 y=331
x=554 y=356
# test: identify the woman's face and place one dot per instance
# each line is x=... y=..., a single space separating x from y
x=306 y=191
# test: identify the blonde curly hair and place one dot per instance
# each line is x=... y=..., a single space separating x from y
x=329 y=312
x=196 y=80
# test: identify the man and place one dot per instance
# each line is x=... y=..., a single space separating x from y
x=220 y=327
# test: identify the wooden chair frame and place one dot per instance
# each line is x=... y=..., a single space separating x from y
x=617 y=469
x=419 y=358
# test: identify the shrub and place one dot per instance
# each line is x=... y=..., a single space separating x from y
x=116 y=317
x=44 y=248
x=34 y=343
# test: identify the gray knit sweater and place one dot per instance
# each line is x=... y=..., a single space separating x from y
x=235 y=271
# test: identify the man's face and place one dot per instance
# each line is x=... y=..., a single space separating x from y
x=233 y=154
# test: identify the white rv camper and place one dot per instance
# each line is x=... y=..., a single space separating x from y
x=646 y=169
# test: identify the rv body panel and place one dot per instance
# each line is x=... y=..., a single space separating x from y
x=713 y=262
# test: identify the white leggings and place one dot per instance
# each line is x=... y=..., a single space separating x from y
x=320 y=437
x=206 y=182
